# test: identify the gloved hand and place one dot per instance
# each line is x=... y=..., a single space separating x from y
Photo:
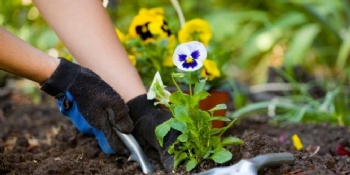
x=91 y=104
x=147 y=117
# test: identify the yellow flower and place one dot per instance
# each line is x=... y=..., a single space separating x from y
x=297 y=142
x=120 y=34
x=152 y=11
x=195 y=30
x=210 y=70
x=168 y=61
x=148 y=24
x=132 y=59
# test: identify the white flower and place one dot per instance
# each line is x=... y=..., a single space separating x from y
x=157 y=90
x=190 y=56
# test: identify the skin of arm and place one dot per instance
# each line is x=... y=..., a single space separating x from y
x=88 y=33
x=22 y=59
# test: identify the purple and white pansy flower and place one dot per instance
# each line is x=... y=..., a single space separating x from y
x=190 y=56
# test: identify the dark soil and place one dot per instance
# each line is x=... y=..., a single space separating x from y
x=37 y=139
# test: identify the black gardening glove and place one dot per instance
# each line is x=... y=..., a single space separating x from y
x=147 y=117
x=91 y=104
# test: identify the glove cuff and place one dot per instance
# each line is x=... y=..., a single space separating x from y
x=63 y=77
x=139 y=106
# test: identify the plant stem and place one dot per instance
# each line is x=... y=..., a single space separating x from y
x=177 y=86
x=179 y=12
x=189 y=83
x=229 y=126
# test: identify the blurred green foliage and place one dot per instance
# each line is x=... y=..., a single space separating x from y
x=23 y=19
x=311 y=33
x=314 y=34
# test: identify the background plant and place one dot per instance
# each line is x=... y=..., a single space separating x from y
x=151 y=42
x=297 y=105
x=251 y=29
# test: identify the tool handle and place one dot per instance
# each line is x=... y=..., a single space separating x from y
x=273 y=160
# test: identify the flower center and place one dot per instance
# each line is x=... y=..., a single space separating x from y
x=189 y=60
x=144 y=29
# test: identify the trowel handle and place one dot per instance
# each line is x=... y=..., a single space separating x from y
x=272 y=160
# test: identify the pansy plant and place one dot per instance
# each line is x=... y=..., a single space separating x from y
x=198 y=140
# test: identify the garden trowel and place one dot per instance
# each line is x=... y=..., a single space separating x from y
x=252 y=166
x=136 y=153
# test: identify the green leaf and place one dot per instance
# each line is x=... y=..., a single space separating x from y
x=178 y=158
x=178 y=75
x=176 y=98
x=215 y=131
x=162 y=130
x=219 y=118
x=299 y=115
x=181 y=114
x=192 y=163
x=183 y=137
x=179 y=98
x=159 y=102
x=179 y=125
x=218 y=107
x=215 y=141
x=171 y=149
x=343 y=52
x=207 y=154
x=198 y=97
x=200 y=118
x=261 y=107
x=300 y=45
x=199 y=87
x=232 y=141
x=221 y=155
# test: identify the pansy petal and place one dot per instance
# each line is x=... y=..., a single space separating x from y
x=195 y=54
x=151 y=92
x=189 y=56
x=198 y=46
x=182 y=57
x=182 y=49
x=180 y=54
x=157 y=78
x=151 y=95
x=157 y=90
x=189 y=66
x=195 y=65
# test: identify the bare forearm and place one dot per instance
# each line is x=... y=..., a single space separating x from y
x=20 y=58
x=86 y=30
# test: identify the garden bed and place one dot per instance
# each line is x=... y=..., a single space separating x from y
x=37 y=139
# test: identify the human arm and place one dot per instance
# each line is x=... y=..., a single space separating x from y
x=87 y=31
x=95 y=107
x=20 y=58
